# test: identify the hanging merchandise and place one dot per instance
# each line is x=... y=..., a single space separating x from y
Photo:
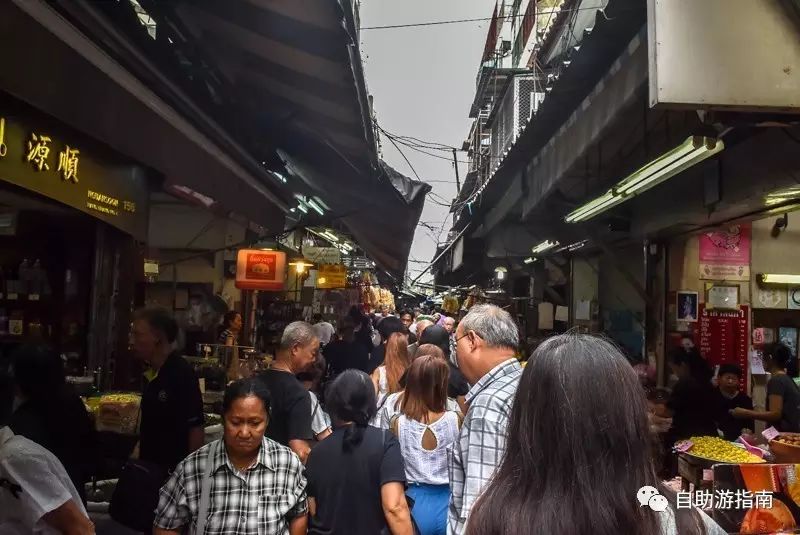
x=476 y=297
x=450 y=304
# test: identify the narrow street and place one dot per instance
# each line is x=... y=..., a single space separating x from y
x=369 y=267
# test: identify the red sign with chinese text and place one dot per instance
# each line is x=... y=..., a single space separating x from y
x=723 y=337
x=260 y=270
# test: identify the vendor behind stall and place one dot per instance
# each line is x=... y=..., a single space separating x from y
x=729 y=397
x=232 y=326
x=783 y=395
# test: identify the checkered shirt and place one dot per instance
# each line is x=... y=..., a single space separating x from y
x=259 y=501
x=480 y=448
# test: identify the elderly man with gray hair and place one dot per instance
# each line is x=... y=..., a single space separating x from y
x=290 y=405
x=486 y=341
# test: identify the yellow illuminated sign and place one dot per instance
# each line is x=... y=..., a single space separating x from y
x=68 y=163
x=38 y=151
x=3 y=147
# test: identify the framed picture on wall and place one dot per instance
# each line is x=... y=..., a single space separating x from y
x=788 y=337
x=723 y=296
x=686 y=305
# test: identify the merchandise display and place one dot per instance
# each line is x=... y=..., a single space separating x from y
x=717 y=449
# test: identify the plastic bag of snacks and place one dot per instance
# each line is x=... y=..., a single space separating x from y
x=118 y=413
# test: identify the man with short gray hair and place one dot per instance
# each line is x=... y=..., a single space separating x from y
x=486 y=341
x=290 y=404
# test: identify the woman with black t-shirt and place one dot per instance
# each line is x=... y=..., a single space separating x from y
x=783 y=395
x=364 y=461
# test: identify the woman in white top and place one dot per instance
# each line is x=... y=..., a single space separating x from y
x=386 y=377
x=425 y=430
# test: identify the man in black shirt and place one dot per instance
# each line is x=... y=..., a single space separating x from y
x=290 y=407
x=729 y=397
x=172 y=405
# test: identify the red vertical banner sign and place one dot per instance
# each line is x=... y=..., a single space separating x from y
x=723 y=337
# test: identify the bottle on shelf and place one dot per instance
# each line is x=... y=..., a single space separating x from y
x=16 y=323
x=24 y=277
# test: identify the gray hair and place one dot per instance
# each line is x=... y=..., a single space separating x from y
x=493 y=324
x=298 y=333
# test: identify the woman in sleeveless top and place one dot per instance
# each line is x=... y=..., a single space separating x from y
x=425 y=430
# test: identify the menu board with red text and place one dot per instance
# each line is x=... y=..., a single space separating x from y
x=723 y=337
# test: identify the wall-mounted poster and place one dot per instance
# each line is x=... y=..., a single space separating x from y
x=788 y=337
x=722 y=296
x=687 y=303
x=725 y=254
x=794 y=298
x=769 y=297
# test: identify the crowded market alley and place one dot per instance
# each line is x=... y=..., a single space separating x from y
x=384 y=267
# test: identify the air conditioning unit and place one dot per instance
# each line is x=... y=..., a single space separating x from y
x=517 y=107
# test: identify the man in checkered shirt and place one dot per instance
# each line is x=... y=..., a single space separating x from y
x=486 y=341
x=257 y=485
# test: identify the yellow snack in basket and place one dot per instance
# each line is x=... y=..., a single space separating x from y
x=717 y=449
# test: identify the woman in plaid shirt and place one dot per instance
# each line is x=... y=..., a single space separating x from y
x=255 y=486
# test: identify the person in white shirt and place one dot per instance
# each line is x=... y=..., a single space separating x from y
x=36 y=494
x=323 y=330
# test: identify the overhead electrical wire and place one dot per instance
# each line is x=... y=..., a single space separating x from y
x=480 y=19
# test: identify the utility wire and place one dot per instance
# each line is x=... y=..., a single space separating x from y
x=481 y=19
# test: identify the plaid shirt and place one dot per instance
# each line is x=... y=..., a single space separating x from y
x=480 y=447
x=260 y=501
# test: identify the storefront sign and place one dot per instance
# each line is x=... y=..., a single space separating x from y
x=723 y=336
x=322 y=255
x=331 y=276
x=725 y=254
x=40 y=159
x=260 y=270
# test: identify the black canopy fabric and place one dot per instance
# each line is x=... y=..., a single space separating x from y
x=296 y=73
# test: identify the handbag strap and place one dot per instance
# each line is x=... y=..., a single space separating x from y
x=205 y=490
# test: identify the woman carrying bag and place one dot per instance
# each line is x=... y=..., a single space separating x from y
x=244 y=483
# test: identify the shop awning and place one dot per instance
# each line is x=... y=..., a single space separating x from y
x=70 y=77
x=580 y=101
x=295 y=69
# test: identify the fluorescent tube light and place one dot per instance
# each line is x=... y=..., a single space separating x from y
x=544 y=246
x=315 y=206
x=301 y=207
x=332 y=237
x=779 y=278
x=692 y=151
x=529 y=260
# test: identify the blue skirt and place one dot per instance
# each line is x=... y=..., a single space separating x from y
x=430 y=507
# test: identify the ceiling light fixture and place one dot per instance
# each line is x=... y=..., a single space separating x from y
x=778 y=278
x=500 y=272
x=691 y=152
x=529 y=260
x=317 y=208
x=544 y=246
x=329 y=235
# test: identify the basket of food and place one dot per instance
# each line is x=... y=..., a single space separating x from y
x=786 y=448
x=713 y=450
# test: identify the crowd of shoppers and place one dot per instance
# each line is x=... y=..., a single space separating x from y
x=453 y=437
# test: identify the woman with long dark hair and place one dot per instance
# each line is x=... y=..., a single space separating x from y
x=51 y=413
x=356 y=476
x=579 y=451
x=426 y=429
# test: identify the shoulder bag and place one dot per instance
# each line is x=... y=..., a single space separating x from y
x=205 y=490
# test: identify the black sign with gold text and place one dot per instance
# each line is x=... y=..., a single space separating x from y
x=55 y=165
